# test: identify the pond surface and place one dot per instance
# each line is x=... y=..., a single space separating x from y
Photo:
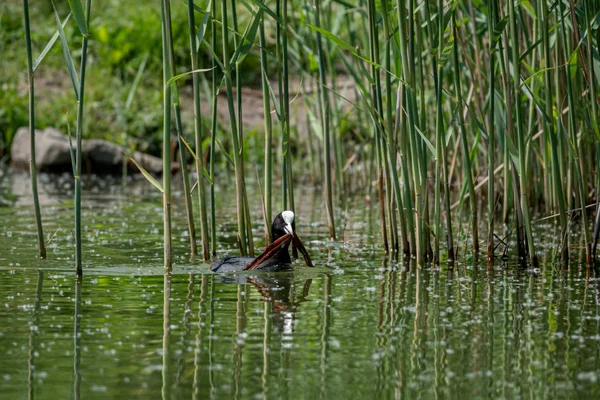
x=354 y=327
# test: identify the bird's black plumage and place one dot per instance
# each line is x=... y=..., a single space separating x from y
x=280 y=260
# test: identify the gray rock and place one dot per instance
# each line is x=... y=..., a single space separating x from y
x=52 y=154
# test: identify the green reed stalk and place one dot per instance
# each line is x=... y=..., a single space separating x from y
x=198 y=135
x=377 y=105
x=594 y=117
x=420 y=156
x=550 y=132
x=237 y=149
x=189 y=208
x=439 y=126
x=491 y=128
x=572 y=135
x=465 y=146
x=396 y=200
x=213 y=133
x=412 y=149
x=312 y=157
x=250 y=242
x=325 y=123
x=238 y=95
x=338 y=151
x=424 y=152
x=590 y=59
x=507 y=132
x=287 y=161
x=281 y=114
x=166 y=150
x=401 y=140
x=78 y=156
x=32 y=165
x=268 y=132
x=281 y=50
x=441 y=175
x=336 y=119
x=510 y=193
x=520 y=131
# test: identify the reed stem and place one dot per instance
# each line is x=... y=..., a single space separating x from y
x=166 y=150
x=32 y=163
x=268 y=132
x=213 y=133
x=237 y=149
x=198 y=135
x=78 y=156
x=325 y=125
x=520 y=133
x=465 y=146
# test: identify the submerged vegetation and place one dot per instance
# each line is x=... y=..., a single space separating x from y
x=452 y=105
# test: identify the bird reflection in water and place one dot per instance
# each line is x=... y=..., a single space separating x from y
x=280 y=291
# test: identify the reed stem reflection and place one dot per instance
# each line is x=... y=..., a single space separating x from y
x=77 y=341
x=267 y=306
x=198 y=347
x=34 y=330
x=166 y=343
x=325 y=333
x=239 y=339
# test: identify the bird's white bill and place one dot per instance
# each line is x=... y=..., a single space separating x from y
x=288 y=218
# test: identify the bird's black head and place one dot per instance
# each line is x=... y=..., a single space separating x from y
x=283 y=224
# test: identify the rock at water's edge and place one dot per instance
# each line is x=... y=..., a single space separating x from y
x=52 y=154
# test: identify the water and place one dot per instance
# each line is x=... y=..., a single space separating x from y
x=355 y=326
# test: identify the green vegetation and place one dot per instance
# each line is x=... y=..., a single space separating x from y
x=448 y=98
x=32 y=164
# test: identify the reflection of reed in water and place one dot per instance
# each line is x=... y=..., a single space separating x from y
x=211 y=318
x=185 y=323
x=239 y=342
x=198 y=349
x=435 y=323
x=380 y=337
x=281 y=301
x=267 y=309
x=278 y=292
x=386 y=323
x=490 y=296
x=419 y=336
x=166 y=384
x=325 y=334
x=77 y=340
x=33 y=332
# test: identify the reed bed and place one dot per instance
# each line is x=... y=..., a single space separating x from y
x=476 y=115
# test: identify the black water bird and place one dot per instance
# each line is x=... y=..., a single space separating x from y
x=275 y=257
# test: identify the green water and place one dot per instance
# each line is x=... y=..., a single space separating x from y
x=354 y=327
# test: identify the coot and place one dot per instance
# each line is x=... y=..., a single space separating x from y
x=275 y=257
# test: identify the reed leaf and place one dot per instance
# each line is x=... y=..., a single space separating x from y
x=79 y=15
x=49 y=45
x=67 y=53
x=147 y=175
x=184 y=74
